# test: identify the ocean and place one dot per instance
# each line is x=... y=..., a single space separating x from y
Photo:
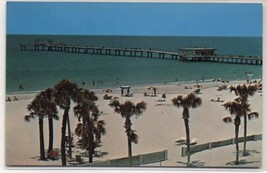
x=36 y=71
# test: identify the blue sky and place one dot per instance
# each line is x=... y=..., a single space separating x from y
x=164 y=19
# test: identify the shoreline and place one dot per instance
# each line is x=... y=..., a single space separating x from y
x=137 y=88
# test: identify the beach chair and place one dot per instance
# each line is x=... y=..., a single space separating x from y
x=193 y=141
x=53 y=155
x=181 y=141
x=107 y=97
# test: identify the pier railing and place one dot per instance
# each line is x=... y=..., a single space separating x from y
x=138 y=52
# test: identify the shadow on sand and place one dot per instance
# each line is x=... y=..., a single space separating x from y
x=241 y=162
x=196 y=163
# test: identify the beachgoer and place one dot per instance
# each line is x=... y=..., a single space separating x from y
x=15 y=98
x=83 y=83
x=121 y=91
x=118 y=81
x=145 y=94
x=8 y=99
x=93 y=82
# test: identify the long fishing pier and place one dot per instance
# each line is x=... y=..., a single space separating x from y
x=186 y=54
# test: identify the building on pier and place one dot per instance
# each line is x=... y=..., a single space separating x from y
x=198 y=52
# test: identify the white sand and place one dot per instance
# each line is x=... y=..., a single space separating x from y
x=158 y=129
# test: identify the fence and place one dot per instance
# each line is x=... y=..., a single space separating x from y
x=136 y=160
x=210 y=145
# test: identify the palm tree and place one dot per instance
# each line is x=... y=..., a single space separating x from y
x=187 y=102
x=235 y=109
x=64 y=92
x=48 y=95
x=127 y=110
x=244 y=91
x=90 y=128
x=42 y=108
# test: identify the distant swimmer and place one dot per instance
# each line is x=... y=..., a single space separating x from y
x=118 y=81
x=20 y=87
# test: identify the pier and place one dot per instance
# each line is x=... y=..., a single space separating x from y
x=195 y=55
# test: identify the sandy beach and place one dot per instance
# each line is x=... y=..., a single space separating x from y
x=158 y=128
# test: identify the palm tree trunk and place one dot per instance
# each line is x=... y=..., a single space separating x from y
x=41 y=135
x=245 y=134
x=63 y=137
x=129 y=151
x=51 y=135
x=70 y=138
x=237 y=123
x=91 y=147
x=127 y=126
x=187 y=131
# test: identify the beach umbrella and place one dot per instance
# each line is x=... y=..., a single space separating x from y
x=107 y=90
x=154 y=89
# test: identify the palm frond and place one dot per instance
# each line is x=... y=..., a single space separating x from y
x=252 y=89
x=238 y=99
x=244 y=90
x=140 y=108
x=133 y=136
x=227 y=120
x=116 y=105
x=79 y=129
x=64 y=91
x=190 y=100
x=177 y=101
x=253 y=115
x=233 y=88
x=28 y=118
x=196 y=101
x=55 y=116
x=235 y=108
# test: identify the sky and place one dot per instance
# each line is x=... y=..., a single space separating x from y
x=137 y=19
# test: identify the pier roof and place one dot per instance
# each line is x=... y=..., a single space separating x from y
x=197 y=48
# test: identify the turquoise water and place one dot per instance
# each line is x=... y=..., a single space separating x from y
x=39 y=70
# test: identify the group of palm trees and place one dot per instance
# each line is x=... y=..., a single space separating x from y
x=90 y=128
x=239 y=108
